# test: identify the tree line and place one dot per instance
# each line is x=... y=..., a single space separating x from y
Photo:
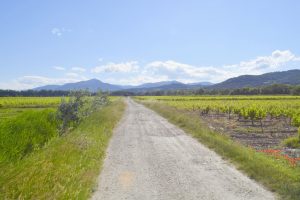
x=33 y=93
x=41 y=93
x=275 y=89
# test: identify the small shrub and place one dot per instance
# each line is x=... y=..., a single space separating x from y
x=69 y=111
x=100 y=99
x=292 y=142
x=79 y=106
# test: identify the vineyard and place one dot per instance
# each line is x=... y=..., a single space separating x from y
x=261 y=122
x=252 y=108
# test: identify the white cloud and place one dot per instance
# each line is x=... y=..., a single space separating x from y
x=185 y=72
x=125 y=67
x=172 y=70
x=297 y=59
x=278 y=60
x=59 y=31
x=71 y=74
x=164 y=71
x=13 y=85
x=29 y=82
x=184 y=69
x=78 y=69
x=100 y=59
x=59 y=68
x=56 y=31
x=262 y=63
x=41 y=80
x=136 y=80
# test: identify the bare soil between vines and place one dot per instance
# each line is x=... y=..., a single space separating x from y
x=268 y=136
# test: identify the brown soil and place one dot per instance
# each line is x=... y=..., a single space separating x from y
x=269 y=135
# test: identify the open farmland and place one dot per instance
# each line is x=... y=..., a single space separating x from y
x=12 y=106
x=26 y=123
x=33 y=148
x=261 y=122
x=254 y=132
x=29 y=102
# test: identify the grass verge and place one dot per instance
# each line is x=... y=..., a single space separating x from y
x=67 y=167
x=278 y=176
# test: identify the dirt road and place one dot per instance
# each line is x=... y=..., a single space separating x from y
x=149 y=158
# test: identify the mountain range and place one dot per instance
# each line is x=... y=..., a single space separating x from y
x=291 y=77
x=286 y=77
x=95 y=84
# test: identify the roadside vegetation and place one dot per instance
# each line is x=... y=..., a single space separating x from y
x=56 y=153
x=268 y=166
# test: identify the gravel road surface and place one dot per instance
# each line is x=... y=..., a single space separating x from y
x=149 y=158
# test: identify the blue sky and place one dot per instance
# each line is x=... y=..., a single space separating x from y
x=133 y=42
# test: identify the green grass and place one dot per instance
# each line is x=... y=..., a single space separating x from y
x=292 y=142
x=66 y=167
x=29 y=102
x=21 y=134
x=6 y=113
x=276 y=175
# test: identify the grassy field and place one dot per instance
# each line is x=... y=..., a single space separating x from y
x=25 y=102
x=276 y=174
x=64 y=167
x=258 y=121
x=26 y=124
x=22 y=133
x=12 y=106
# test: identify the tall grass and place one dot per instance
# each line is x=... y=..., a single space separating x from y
x=21 y=134
x=278 y=176
x=67 y=167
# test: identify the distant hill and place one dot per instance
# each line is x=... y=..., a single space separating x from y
x=168 y=85
x=286 y=77
x=201 y=84
x=291 y=77
x=92 y=85
x=157 y=84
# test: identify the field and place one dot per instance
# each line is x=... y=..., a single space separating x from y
x=218 y=123
x=32 y=149
x=26 y=123
x=11 y=106
x=258 y=121
x=259 y=134
x=29 y=102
